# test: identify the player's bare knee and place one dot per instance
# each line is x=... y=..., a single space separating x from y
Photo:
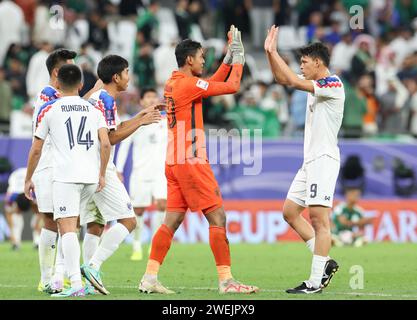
x=216 y=218
x=95 y=229
x=129 y=223
x=49 y=223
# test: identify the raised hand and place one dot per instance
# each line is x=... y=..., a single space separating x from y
x=236 y=46
x=271 y=41
x=228 y=58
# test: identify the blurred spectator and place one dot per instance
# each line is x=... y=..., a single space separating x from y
x=11 y=24
x=183 y=19
x=348 y=221
x=15 y=75
x=147 y=23
x=37 y=75
x=298 y=112
x=411 y=85
x=316 y=21
x=5 y=103
x=401 y=45
x=342 y=54
x=236 y=12
x=144 y=68
x=28 y=8
x=282 y=13
x=88 y=74
x=49 y=28
x=354 y=111
x=275 y=99
x=98 y=34
x=250 y=116
x=334 y=35
x=363 y=60
x=165 y=62
x=370 y=120
x=21 y=122
x=262 y=14
x=385 y=69
x=392 y=107
x=407 y=10
x=129 y=7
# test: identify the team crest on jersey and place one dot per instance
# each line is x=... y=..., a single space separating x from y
x=202 y=84
x=329 y=82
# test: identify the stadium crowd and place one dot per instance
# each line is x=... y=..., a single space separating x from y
x=377 y=62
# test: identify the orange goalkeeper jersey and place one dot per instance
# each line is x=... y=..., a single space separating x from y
x=184 y=96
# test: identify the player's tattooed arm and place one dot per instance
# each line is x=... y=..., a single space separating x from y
x=33 y=160
x=282 y=73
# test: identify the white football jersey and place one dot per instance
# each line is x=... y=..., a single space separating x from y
x=48 y=93
x=149 y=150
x=103 y=101
x=17 y=181
x=72 y=124
x=324 y=114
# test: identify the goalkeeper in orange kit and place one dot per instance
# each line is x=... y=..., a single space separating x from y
x=191 y=182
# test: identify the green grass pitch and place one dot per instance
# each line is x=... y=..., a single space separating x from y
x=388 y=271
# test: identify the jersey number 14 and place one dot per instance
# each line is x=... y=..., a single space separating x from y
x=84 y=142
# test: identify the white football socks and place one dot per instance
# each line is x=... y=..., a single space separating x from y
x=90 y=246
x=137 y=234
x=71 y=250
x=59 y=262
x=47 y=249
x=17 y=229
x=317 y=269
x=310 y=244
x=109 y=244
x=157 y=220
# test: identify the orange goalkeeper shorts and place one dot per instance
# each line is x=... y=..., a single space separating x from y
x=192 y=186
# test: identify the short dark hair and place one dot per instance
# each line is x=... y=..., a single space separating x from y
x=185 y=49
x=22 y=202
x=69 y=76
x=316 y=50
x=58 y=58
x=146 y=90
x=109 y=66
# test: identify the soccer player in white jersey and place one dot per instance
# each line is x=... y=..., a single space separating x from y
x=147 y=182
x=113 y=203
x=313 y=186
x=80 y=153
x=42 y=177
x=15 y=204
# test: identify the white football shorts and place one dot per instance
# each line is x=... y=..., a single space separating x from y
x=111 y=203
x=142 y=191
x=315 y=182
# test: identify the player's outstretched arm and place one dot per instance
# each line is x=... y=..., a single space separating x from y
x=105 y=149
x=282 y=73
x=126 y=128
x=33 y=160
x=234 y=49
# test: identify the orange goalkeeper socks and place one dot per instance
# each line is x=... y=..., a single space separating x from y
x=161 y=243
x=220 y=248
